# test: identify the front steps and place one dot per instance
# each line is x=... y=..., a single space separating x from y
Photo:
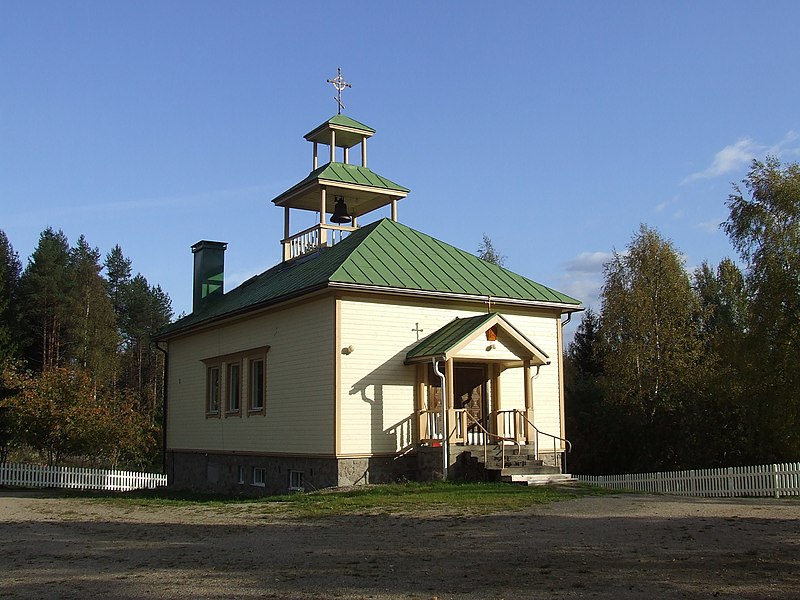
x=541 y=479
x=521 y=468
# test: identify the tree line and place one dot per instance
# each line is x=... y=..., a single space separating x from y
x=80 y=378
x=695 y=370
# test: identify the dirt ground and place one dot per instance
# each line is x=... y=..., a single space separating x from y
x=625 y=546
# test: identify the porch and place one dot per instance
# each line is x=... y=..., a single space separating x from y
x=459 y=403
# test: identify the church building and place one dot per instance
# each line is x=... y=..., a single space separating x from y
x=371 y=352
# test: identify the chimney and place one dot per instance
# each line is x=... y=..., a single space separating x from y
x=209 y=270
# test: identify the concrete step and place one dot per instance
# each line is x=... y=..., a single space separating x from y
x=540 y=479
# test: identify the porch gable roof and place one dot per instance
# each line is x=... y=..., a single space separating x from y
x=447 y=341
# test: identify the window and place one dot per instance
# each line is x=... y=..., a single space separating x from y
x=240 y=479
x=230 y=376
x=213 y=391
x=257 y=385
x=296 y=481
x=259 y=476
x=234 y=387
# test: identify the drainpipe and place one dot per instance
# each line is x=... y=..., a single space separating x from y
x=445 y=429
x=164 y=415
x=569 y=318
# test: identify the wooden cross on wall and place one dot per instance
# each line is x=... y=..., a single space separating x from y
x=418 y=331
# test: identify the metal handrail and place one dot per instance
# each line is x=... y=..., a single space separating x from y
x=498 y=436
x=555 y=437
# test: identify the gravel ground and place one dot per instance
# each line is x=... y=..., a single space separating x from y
x=622 y=547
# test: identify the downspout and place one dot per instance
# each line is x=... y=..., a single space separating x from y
x=445 y=429
x=164 y=414
x=569 y=318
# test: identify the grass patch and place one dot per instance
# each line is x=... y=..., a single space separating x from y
x=437 y=498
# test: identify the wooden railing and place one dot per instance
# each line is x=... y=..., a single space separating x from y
x=511 y=425
x=312 y=239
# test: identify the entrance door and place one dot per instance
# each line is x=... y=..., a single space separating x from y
x=470 y=394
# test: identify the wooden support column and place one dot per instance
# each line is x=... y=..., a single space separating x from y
x=315 y=161
x=347 y=156
x=419 y=403
x=363 y=151
x=530 y=432
x=287 y=253
x=394 y=209
x=323 y=233
x=333 y=145
x=494 y=397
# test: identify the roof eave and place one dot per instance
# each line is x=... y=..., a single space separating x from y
x=564 y=307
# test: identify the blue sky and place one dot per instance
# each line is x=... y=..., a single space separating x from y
x=555 y=128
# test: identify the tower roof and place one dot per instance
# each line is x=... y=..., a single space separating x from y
x=366 y=190
x=349 y=132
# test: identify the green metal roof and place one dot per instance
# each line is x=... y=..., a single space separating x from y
x=346 y=121
x=445 y=338
x=381 y=255
x=350 y=131
x=344 y=173
x=446 y=341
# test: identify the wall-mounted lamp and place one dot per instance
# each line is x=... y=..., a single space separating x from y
x=348 y=350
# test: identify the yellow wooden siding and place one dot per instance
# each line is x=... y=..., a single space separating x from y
x=299 y=391
x=377 y=388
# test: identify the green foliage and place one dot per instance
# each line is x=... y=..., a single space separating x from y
x=87 y=340
x=43 y=287
x=699 y=373
x=61 y=413
x=487 y=252
x=764 y=226
x=10 y=269
x=652 y=349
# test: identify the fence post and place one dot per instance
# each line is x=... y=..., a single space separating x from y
x=776 y=479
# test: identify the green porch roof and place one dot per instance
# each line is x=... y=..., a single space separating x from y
x=446 y=339
x=384 y=256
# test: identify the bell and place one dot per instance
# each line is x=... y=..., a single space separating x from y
x=340 y=212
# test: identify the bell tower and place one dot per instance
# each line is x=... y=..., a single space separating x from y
x=340 y=188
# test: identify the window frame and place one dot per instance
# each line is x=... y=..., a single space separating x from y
x=259 y=475
x=221 y=365
x=213 y=391
x=252 y=409
x=298 y=485
x=233 y=382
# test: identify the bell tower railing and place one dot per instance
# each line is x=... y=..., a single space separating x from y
x=321 y=235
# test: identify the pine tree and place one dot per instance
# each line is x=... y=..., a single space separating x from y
x=10 y=269
x=92 y=318
x=44 y=291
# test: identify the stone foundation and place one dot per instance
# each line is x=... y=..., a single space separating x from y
x=247 y=474
x=253 y=475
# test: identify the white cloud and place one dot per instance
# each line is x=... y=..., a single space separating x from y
x=729 y=159
x=710 y=226
x=583 y=277
x=661 y=206
x=589 y=262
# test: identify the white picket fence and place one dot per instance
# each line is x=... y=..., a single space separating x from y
x=78 y=478
x=764 y=480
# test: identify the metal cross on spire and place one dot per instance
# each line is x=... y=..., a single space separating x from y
x=339 y=83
